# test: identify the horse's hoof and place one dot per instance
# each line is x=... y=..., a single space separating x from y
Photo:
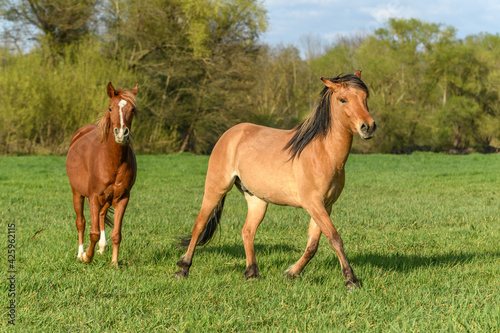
x=85 y=259
x=180 y=275
x=114 y=264
x=288 y=273
x=252 y=277
x=352 y=286
x=252 y=272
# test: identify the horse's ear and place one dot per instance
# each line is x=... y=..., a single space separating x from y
x=111 y=90
x=358 y=73
x=134 y=91
x=330 y=84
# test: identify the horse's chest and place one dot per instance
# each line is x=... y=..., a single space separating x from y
x=336 y=186
x=117 y=185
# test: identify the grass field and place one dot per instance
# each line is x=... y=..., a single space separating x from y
x=421 y=231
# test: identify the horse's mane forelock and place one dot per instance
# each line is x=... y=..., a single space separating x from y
x=103 y=123
x=319 y=122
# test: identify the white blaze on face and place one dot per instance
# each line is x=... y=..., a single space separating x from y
x=121 y=105
x=119 y=133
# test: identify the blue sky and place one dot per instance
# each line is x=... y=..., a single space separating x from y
x=291 y=20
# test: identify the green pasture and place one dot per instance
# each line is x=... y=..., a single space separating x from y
x=421 y=231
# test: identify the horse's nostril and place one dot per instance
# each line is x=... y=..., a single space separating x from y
x=374 y=126
x=115 y=131
x=364 y=127
x=126 y=132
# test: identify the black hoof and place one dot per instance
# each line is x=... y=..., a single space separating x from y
x=352 y=285
x=252 y=272
x=181 y=275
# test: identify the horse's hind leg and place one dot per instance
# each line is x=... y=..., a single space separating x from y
x=209 y=205
x=78 y=202
x=220 y=179
x=116 y=235
x=256 y=211
x=313 y=236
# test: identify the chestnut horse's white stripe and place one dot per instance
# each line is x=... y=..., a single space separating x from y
x=121 y=105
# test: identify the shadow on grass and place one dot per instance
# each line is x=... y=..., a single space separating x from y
x=404 y=263
x=284 y=255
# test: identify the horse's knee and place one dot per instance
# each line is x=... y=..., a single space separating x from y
x=116 y=238
x=94 y=236
x=80 y=223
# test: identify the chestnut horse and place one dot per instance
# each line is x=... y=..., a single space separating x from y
x=302 y=167
x=101 y=167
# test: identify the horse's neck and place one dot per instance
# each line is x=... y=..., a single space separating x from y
x=117 y=154
x=338 y=146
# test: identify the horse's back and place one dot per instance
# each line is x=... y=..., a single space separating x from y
x=81 y=132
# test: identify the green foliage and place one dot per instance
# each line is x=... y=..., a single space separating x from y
x=201 y=69
x=421 y=232
x=43 y=105
x=430 y=90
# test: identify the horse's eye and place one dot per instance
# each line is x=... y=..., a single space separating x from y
x=109 y=109
x=343 y=101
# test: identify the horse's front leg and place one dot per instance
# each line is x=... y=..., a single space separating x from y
x=102 y=218
x=120 y=206
x=313 y=236
x=95 y=208
x=320 y=215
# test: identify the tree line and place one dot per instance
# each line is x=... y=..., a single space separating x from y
x=201 y=69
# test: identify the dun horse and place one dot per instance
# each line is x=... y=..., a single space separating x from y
x=101 y=166
x=302 y=167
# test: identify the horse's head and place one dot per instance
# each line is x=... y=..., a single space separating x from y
x=122 y=109
x=348 y=100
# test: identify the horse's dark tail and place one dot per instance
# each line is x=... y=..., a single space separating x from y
x=110 y=217
x=212 y=224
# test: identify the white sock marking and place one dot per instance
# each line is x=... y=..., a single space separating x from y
x=102 y=240
x=80 y=251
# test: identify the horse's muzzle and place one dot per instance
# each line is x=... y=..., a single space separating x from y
x=121 y=135
x=366 y=131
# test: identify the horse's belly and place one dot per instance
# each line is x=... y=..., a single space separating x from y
x=271 y=185
x=77 y=171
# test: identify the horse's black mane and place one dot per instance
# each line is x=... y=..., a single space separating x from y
x=319 y=122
